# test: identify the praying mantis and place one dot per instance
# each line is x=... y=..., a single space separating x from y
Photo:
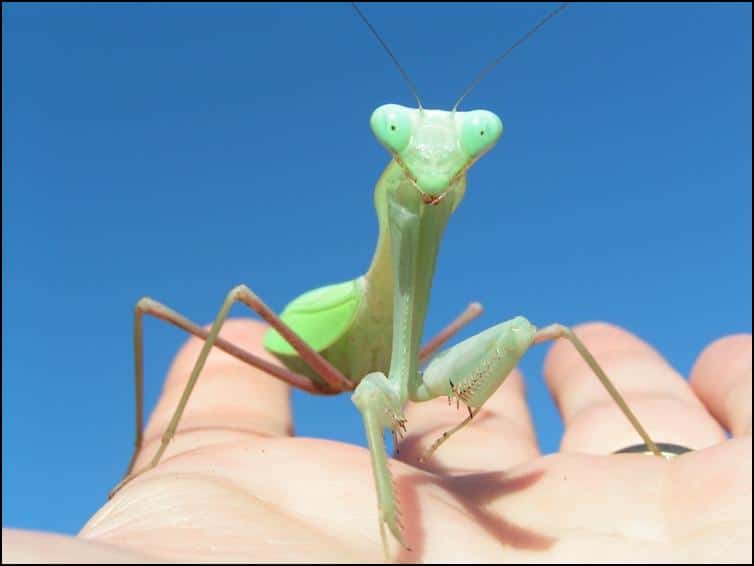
x=364 y=336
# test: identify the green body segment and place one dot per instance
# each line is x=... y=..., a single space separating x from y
x=319 y=316
x=342 y=328
x=329 y=319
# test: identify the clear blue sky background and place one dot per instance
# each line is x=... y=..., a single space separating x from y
x=178 y=150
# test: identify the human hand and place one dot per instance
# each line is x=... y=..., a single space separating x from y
x=235 y=485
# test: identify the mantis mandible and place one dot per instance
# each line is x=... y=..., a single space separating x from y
x=365 y=335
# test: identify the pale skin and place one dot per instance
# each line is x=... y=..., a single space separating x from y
x=230 y=487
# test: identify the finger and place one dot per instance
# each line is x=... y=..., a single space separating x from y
x=230 y=398
x=722 y=378
x=660 y=398
x=501 y=434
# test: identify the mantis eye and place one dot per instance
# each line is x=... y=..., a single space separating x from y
x=479 y=131
x=392 y=125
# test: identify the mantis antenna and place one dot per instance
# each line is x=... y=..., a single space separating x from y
x=494 y=63
x=395 y=60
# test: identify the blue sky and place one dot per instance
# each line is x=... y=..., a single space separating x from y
x=178 y=150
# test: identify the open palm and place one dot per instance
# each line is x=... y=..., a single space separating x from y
x=235 y=485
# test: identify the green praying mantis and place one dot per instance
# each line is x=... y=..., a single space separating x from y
x=364 y=336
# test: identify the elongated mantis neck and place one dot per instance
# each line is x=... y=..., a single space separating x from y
x=413 y=233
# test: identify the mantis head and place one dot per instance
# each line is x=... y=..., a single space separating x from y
x=434 y=147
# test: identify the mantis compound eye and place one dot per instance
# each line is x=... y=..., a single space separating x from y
x=480 y=130
x=392 y=125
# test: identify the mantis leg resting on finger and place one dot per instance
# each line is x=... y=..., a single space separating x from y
x=364 y=335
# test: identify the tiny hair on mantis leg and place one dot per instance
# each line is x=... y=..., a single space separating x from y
x=364 y=336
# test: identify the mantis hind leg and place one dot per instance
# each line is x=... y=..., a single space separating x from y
x=335 y=380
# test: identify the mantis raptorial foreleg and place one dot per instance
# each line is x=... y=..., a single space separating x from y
x=474 y=369
x=379 y=403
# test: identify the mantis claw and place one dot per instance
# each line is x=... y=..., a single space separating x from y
x=380 y=408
